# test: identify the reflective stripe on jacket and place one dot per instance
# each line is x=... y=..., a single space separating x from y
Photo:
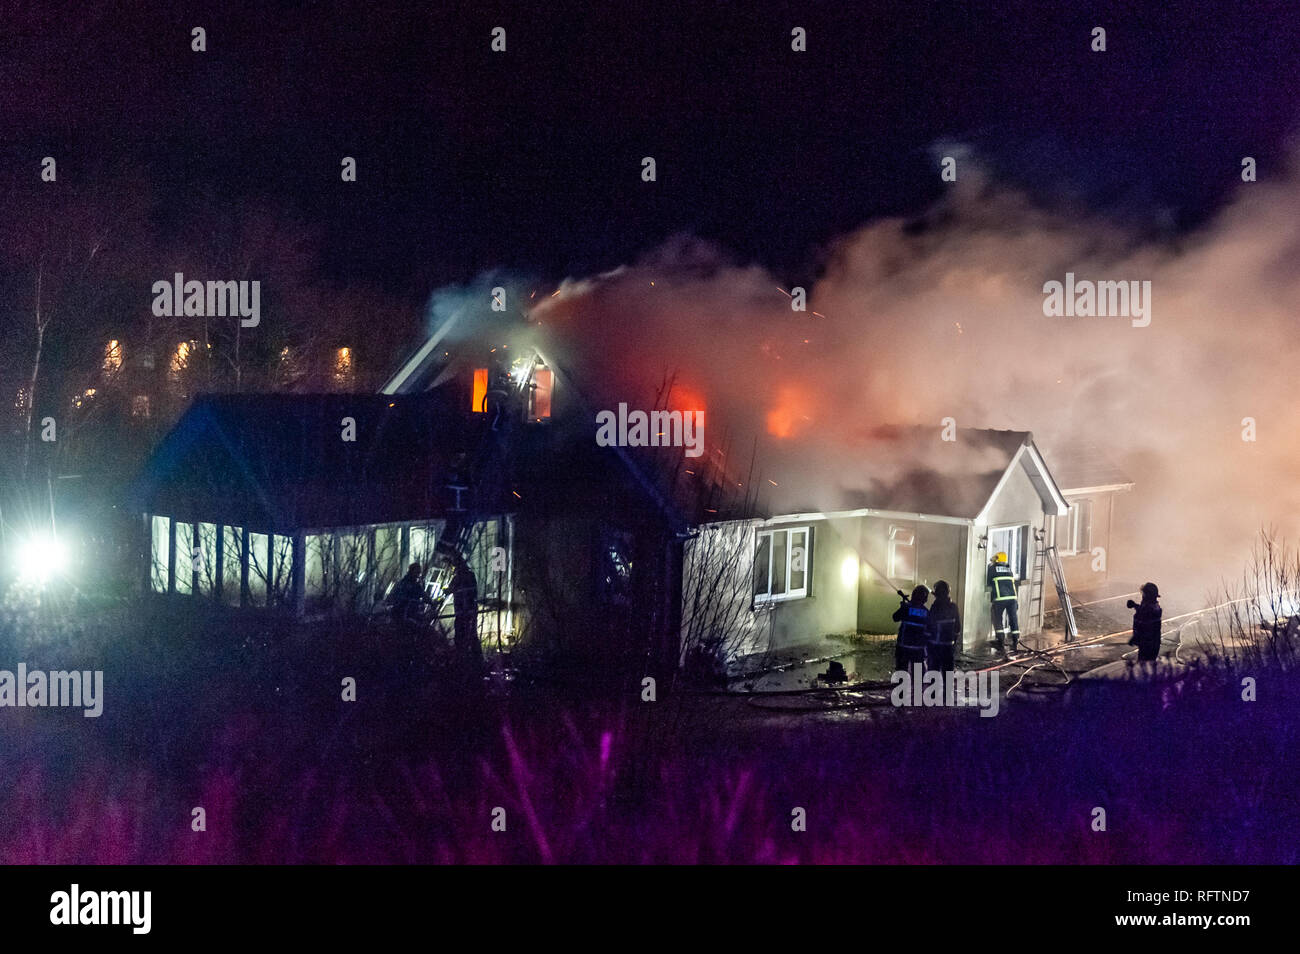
x=1003 y=582
x=944 y=627
x=911 y=634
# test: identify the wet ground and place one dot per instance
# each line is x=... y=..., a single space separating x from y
x=790 y=689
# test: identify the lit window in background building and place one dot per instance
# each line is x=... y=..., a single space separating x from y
x=180 y=359
x=79 y=399
x=20 y=403
x=140 y=405
x=112 y=357
x=343 y=367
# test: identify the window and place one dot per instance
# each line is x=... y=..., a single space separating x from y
x=161 y=534
x=540 y=398
x=782 y=564
x=1011 y=541
x=902 y=554
x=1074 y=530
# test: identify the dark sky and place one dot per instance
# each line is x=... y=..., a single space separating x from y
x=531 y=159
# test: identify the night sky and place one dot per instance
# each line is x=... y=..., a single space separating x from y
x=469 y=159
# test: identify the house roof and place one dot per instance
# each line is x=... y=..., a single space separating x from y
x=1080 y=467
x=279 y=461
x=913 y=471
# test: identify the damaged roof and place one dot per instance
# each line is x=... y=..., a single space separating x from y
x=1083 y=466
x=912 y=470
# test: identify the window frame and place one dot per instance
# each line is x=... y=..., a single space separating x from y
x=1018 y=558
x=895 y=532
x=1074 y=527
x=789 y=594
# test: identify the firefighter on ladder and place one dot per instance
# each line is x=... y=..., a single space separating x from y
x=913 y=617
x=1002 y=594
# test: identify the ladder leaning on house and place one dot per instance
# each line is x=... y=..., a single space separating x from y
x=1045 y=556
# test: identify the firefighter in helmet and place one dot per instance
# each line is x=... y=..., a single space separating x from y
x=1146 y=623
x=1002 y=594
x=943 y=630
x=913 y=617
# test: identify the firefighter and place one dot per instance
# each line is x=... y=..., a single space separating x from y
x=943 y=630
x=408 y=594
x=1002 y=594
x=1146 y=623
x=909 y=650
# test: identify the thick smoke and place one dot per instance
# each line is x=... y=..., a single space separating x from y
x=914 y=323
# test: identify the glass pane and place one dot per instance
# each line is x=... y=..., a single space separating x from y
x=208 y=565
x=761 y=560
x=230 y=566
x=185 y=557
x=161 y=545
x=798 y=559
x=779 y=557
x=258 y=568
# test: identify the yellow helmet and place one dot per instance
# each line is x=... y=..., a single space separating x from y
x=1000 y=558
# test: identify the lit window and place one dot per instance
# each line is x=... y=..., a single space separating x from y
x=902 y=554
x=112 y=357
x=540 y=399
x=782 y=564
x=478 y=400
x=140 y=405
x=343 y=367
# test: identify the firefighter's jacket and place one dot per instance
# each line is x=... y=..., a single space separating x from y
x=912 y=632
x=1001 y=583
x=943 y=626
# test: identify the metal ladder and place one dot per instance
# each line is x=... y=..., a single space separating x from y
x=1046 y=556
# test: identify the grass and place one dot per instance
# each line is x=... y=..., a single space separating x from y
x=245 y=719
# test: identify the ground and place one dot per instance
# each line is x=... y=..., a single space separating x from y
x=245 y=718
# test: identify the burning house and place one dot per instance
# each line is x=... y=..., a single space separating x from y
x=485 y=457
x=940 y=510
x=311 y=504
x=1091 y=483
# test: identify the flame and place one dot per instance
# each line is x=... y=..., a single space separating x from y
x=791 y=413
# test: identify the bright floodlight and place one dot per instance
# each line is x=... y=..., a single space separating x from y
x=41 y=558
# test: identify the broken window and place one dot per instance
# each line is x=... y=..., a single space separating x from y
x=782 y=564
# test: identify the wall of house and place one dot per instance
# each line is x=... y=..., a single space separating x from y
x=1083 y=571
x=718 y=603
x=939 y=554
x=1017 y=502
